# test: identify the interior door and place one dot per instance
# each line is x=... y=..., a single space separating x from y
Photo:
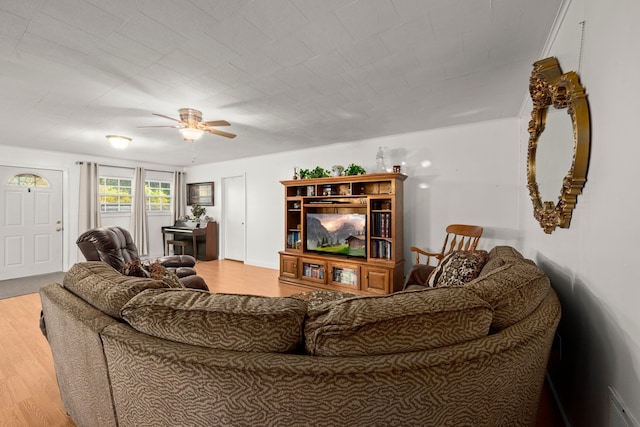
x=30 y=222
x=233 y=217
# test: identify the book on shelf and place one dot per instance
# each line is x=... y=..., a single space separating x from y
x=381 y=249
x=347 y=276
x=381 y=224
x=314 y=271
x=293 y=239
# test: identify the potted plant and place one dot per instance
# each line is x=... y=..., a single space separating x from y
x=318 y=172
x=337 y=170
x=354 y=169
x=197 y=211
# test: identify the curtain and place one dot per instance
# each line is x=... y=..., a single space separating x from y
x=89 y=200
x=138 y=226
x=89 y=203
x=179 y=203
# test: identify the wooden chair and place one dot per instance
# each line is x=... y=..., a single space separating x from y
x=460 y=237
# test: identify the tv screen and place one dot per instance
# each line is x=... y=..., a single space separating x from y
x=337 y=234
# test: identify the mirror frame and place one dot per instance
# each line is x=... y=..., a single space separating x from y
x=548 y=86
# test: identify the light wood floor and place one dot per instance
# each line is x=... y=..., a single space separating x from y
x=28 y=390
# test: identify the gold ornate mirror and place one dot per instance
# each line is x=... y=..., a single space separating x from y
x=565 y=144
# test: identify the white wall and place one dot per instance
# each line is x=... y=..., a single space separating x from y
x=66 y=162
x=592 y=264
x=470 y=174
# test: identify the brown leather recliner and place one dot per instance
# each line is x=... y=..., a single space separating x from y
x=114 y=246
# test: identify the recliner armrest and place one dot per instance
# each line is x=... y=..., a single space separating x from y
x=194 y=282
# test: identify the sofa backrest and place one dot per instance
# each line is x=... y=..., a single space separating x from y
x=512 y=284
x=507 y=290
x=247 y=323
x=104 y=288
x=396 y=323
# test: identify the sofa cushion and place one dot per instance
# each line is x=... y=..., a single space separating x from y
x=514 y=290
x=103 y=287
x=457 y=268
x=401 y=322
x=221 y=321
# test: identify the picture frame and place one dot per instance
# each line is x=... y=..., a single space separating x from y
x=200 y=193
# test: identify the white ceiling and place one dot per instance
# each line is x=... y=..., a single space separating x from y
x=287 y=74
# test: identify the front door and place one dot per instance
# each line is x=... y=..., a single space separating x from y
x=30 y=222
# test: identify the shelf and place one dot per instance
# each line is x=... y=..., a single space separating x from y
x=334 y=205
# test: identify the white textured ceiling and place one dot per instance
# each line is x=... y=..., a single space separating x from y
x=287 y=74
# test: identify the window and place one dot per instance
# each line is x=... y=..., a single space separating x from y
x=158 y=196
x=28 y=180
x=115 y=195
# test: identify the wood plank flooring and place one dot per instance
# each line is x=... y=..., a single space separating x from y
x=28 y=389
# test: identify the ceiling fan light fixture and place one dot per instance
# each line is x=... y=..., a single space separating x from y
x=119 y=142
x=190 y=134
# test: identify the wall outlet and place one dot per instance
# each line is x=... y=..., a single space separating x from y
x=619 y=416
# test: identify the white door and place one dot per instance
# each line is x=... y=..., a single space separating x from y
x=30 y=222
x=233 y=218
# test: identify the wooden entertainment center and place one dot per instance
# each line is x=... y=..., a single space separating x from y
x=378 y=264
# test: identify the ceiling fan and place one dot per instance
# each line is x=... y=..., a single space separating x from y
x=191 y=126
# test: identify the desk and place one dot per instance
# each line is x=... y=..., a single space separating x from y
x=206 y=237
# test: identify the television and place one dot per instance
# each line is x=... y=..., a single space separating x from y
x=336 y=234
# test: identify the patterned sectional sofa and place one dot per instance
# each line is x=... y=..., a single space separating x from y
x=131 y=352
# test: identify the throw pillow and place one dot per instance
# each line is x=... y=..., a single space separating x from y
x=166 y=276
x=134 y=268
x=458 y=268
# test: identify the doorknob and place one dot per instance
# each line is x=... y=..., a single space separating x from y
x=58 y=228
x=58 y=222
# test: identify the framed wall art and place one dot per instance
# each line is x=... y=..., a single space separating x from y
x=200 y=193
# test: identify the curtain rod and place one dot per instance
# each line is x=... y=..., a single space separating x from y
x=125 y=167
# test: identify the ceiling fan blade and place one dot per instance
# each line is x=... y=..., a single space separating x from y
x=221 y=133
x=167 y=117
x=160 y=127
x=217 y=123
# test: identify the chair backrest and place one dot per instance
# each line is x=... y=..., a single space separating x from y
x=461 y=237
x=113 y=245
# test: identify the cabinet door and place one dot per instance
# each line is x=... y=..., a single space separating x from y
x=343 y=274
x=376 y=280
x=289 y=266
x=313 y=271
